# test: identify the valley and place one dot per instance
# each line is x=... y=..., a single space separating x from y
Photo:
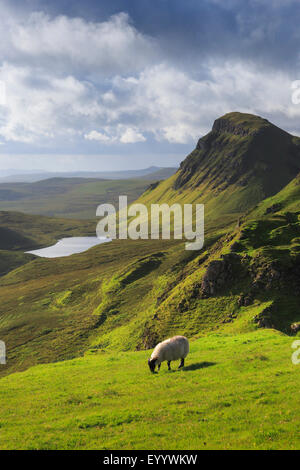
x=97 y=313
x=75 y=198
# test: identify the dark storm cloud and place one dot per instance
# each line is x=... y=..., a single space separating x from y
x=265 y=31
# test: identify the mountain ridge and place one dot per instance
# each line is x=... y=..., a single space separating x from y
x=247 y=144
x=241 y=161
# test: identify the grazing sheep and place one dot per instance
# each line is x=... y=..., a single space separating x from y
x=169 y=350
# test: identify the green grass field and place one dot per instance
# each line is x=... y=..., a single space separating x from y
x=236 y=392
x=79 y=329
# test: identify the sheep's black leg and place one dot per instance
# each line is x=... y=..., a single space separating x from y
x=182 y=363
x=158 y=367
x=169 y=362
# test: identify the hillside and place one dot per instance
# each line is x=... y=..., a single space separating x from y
x=10 y=260
x=70 y=197
x=57 y=311
x=243 y=160
x=236 y=392
x=128 y=295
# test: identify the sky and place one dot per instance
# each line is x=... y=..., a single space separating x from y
x=123 y=84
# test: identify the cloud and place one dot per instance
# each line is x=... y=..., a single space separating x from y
x=131 y=136
x=42 y=110
x=117 y=134
x=174 y=106
x=74 y=45
x=164 y=102
x=95 y=135
x=71 y=81
x=57 y=73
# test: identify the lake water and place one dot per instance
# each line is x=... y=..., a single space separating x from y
x=69 y=246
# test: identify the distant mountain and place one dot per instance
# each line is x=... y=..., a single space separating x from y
x=15 y=176
x=14 y=172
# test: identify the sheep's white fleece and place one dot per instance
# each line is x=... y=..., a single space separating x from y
x=171 y=349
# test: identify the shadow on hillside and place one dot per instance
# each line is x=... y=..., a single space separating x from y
x=199 y=365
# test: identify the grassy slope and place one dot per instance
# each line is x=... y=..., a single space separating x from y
x=10 y=260
x=288 y=199
x=236 y=392
x=130 y=294
x=58 y=307
x=266 y=271
x=68 y=197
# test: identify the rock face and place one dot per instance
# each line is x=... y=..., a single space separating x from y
x=214 y=277
x=245 y=300
x=218 y=273
x=265 y=318
x=226 y=125
x=266 y=276
x=272 y=209
x=201 y=144
x=152 y=186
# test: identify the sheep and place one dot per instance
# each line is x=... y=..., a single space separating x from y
x=169 y=350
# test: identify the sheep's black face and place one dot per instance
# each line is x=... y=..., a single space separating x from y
x=151 y=364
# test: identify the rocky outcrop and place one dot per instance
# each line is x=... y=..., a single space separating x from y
x=201 y=145
x=245 y=300
x=274 y=208
x=152 y=186
x=265 y=319
x=225 y=125
x=218 y=273
x=266 y=275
